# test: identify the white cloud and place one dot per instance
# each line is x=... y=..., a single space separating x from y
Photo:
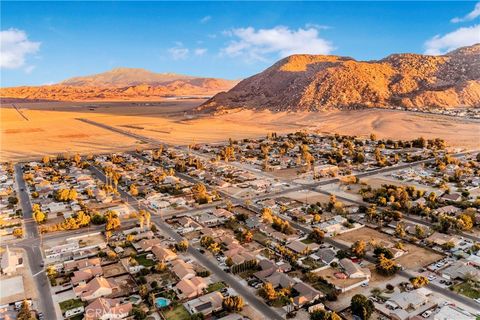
x=200 y=51
x=205 y=19
x=257 y=44
x=475 y=13
x=179 y=52
x=14 y=48
x=459 y=38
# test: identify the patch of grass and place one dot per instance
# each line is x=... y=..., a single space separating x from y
x=177 y=313
x=142 y=259
x=71 y=304
x=469 y=289
x=217 y=286
x=308 y=241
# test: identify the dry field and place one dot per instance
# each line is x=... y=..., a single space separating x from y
x=53 y=128
x=415 y=258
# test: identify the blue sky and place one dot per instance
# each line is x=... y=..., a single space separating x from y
x=45 y=42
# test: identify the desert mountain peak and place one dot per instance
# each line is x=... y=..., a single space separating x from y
x=317 y=82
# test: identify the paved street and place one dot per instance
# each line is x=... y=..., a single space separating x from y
x=32 y=246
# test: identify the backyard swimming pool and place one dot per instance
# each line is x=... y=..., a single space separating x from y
x=161 y=302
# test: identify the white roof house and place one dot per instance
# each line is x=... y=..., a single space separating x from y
x=451 y=312
x=10 y=261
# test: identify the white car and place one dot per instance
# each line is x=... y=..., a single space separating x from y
x=432 y=277
x=427 y=314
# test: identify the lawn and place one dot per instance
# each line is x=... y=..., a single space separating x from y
x=217 y=286
x=177 y=313
x=469 y=289
x=70 y=304
x=307 y=241
x=142 y=259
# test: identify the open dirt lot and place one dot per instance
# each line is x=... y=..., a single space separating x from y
x=53 y=127
x=415 y=258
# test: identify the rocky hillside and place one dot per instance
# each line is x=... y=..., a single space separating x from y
x=122 y=84
x=316 y=82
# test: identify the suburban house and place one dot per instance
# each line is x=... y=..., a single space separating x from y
x=85 y=274
x=279 y=280
x=406 y=305
x=306 y=294
x=146 y=244
x=182 y=269
x=107 y=309
x=268 y=267
x=190 y=288
x=461 y=270
x=334 y=225
x=81 y=264
x=302 y=248
x=96 y=288
x=326 y=255
x=163 y=254
x=206 y=304
x=440 y=239
x=353 y=270
x=451 y=312
x=131 y=265
x=238 y=254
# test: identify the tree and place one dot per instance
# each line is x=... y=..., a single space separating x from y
x=182 y=246
x=322 y=314
x=361 y=306
x=138 y=313
x=133 y=190
x=358 y=248
x=206 y=241
x=12 y=200
x=383 y=251
x=448 y=245
x=386 y=267
x=267 y=215
x=46 y=159
x=419 y=281
x=143 y=290
x=247 y=236
x=160 y=267
x=18 y=232
x=200 y=194
x=233 y=304
x=464 y=222
x=25 y=312
x=268 y=291
x=316 y=235
x=419 y=231
x=400 y=230
x=113 y=221
x=52 y=274
x=39 y=216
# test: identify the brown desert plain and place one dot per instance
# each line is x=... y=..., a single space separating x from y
x=54 y=127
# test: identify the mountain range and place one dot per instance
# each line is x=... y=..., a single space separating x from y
x=122 y=84
x=296 y=83
x=320 y=82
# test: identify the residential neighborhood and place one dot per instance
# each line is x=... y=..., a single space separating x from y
x=298 y=226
